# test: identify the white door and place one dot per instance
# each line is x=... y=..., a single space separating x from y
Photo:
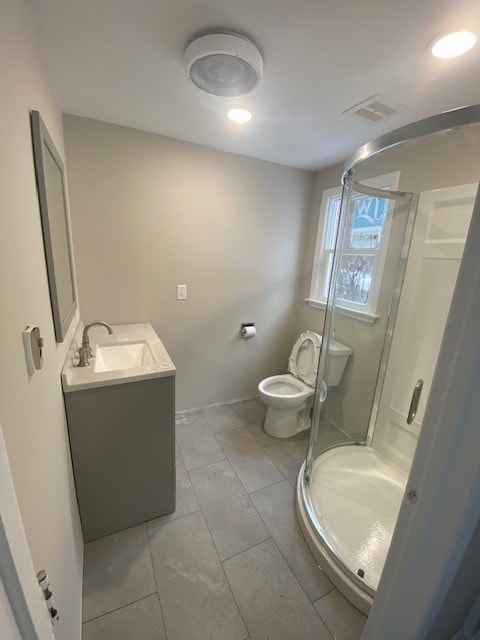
x=441 y=227
x=23 y=611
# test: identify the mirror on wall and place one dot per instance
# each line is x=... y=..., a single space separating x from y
x=52 y=197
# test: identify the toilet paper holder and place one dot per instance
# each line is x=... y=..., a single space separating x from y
x=243 y=333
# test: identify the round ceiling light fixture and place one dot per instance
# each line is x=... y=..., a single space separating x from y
x=239 y=115
x=224 y=64
x=454 y=44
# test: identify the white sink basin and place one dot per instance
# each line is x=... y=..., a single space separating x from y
x=123 y=355
x=132 y=353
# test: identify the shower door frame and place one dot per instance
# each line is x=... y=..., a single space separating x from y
x=433 y=124
x=440 y=122
x=350 y=185
x=359 y=591
x=392 y=314
x=429 y=467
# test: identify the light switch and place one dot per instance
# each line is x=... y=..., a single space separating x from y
x=181 y=291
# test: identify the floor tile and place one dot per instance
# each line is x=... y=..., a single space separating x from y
x=302 y=439
x=185 y=495
x=222 y=418
x=271 y=600
x=276 y=505
x=196 y=441
x=141 y=620
x=231 y=517
x=194 y=593
x=288 y=456
x=117 y=571
x=344 y=621
x=253 y=412
x=252 y=465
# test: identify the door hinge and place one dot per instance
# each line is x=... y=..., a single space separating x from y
x=42 y=578
x=413 y=496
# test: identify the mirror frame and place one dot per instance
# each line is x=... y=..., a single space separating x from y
x=42 y=141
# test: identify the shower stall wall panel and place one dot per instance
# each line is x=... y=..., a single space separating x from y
x=441 y=227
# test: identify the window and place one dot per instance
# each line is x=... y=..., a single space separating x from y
x=363 y=253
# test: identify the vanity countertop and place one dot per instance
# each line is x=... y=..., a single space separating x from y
x=76 y=378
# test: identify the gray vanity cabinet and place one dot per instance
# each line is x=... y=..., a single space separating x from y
x=122 y=439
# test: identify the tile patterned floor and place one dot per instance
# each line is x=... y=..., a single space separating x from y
x=231 y=562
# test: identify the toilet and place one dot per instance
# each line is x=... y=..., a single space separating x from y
x=287 y=395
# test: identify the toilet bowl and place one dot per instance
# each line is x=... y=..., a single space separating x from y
x=286 y=395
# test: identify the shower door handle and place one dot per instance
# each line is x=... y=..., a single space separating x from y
x=417 y=392
x=323 y=391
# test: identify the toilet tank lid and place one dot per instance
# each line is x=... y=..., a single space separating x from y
x=338 y=349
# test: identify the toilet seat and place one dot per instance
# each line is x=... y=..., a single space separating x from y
x=303 y=361
x=285 y=386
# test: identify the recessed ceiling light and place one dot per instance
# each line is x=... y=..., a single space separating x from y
x=454 y=44
x=239 y=115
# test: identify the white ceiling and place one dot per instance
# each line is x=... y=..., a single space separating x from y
x=121 y=61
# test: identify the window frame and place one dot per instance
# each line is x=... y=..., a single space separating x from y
x=320 y=272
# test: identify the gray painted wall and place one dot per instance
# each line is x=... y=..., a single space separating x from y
x=32 y=411
x=150 y=212
x=309 y=318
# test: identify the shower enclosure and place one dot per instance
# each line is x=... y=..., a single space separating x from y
x=400 y=230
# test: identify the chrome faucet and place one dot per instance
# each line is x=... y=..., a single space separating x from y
x=85 y=351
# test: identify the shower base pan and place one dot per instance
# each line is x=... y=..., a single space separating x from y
x=347 y=514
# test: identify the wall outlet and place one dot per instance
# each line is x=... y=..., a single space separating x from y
x=181 y=291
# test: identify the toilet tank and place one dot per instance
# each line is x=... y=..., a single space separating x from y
x=339 y=354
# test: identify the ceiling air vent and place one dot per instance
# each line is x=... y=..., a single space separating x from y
x=375 y=109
